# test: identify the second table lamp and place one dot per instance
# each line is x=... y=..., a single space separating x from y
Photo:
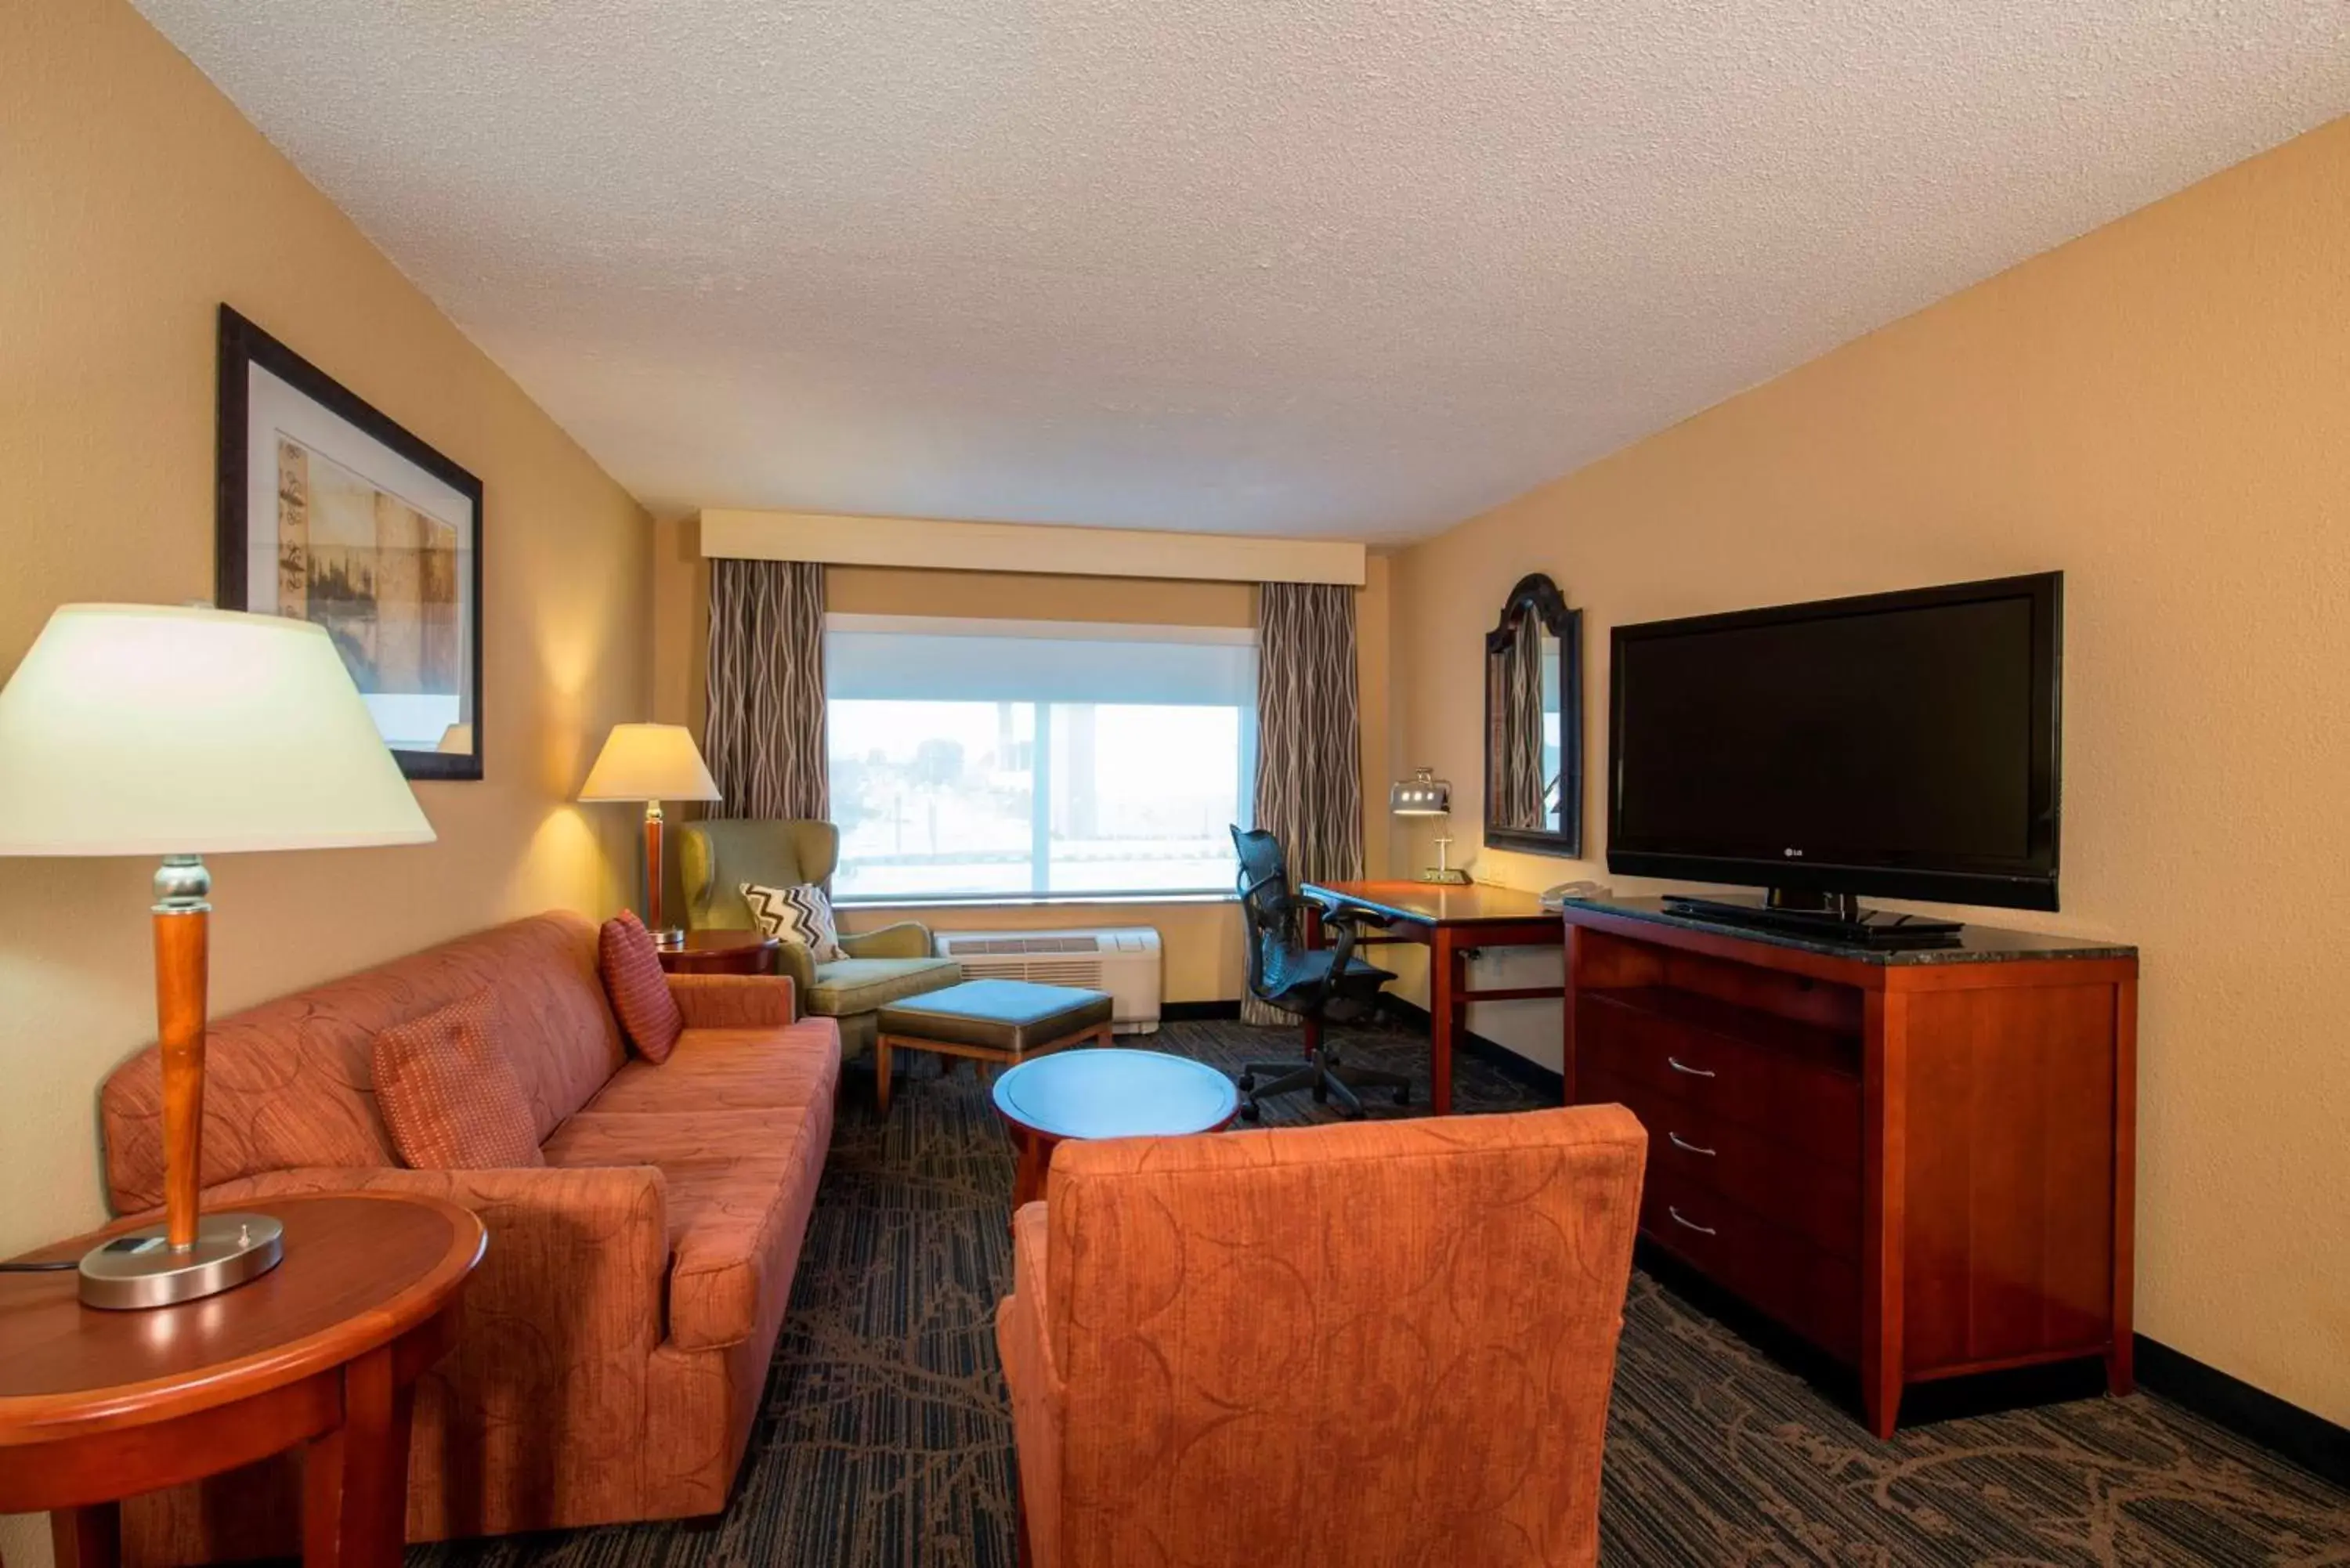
x=650 y=762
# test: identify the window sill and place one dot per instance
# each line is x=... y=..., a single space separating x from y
x=1042 y=900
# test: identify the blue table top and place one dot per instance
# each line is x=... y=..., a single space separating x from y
x=1106 y=1092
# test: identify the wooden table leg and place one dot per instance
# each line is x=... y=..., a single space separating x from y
x=87 y=1537
x=355 y=1479
x=881 y=1072
x=1036 y=1160
x=1447 y=972
x=1309 y=1029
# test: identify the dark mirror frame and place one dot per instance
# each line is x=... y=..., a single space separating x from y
x=1536 y=595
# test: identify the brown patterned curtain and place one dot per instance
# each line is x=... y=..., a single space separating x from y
x=1309 y=749
x=765 y=732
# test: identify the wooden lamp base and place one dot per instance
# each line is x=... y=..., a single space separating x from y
x=189 y=1255
x=663 y=933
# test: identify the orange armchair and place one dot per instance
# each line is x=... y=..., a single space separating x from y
x=1383 y=1343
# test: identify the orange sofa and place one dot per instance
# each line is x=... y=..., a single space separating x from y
x=617 y=1337
x=1374 y=1343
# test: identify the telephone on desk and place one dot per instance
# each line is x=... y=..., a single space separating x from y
x=1556 y=897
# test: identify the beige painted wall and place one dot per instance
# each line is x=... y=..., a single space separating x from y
x=1201 y=941
x=2162 y=410
x=135 y=201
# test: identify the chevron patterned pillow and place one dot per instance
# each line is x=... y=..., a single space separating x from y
x=801 y=914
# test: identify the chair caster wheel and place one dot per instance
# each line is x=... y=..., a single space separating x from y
x=1246 y=1082
x=1403 y=1095
x=1249 y=1112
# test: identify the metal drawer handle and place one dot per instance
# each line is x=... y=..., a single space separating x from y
x=1678 y=1218
x=1680 y=1066
x=1680 y=1142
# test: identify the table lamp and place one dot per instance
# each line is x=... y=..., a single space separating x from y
x=650 y=762
x=1425 y=794
x=143 y=730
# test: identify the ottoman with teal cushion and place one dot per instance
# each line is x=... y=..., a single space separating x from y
x=1004 y=1022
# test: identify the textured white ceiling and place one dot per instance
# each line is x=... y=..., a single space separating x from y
x=1307 y=267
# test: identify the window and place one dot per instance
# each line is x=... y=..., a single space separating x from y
x=972 y=759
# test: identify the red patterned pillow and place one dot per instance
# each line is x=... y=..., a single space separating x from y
x=449 y=1094
x=640 y=991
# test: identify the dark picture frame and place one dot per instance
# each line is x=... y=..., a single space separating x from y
x=435 y=639
x=1536 y=595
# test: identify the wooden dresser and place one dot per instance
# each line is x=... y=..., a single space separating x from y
x=1921 y=1162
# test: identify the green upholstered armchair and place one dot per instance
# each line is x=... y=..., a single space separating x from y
x=720 y=854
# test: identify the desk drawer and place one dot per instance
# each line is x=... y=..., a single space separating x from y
x=1750 y=1071
x=1819 y=1199
x=1812 y=1291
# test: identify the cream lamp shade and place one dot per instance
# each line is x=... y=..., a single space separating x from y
x=649 y=762
x=151 y=730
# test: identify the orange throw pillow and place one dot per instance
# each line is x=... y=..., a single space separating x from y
x=451 y=1096
x=640 y=991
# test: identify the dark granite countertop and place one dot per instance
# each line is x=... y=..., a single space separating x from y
x=1976 y=944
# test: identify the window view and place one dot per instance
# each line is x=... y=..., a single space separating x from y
x=977 y=758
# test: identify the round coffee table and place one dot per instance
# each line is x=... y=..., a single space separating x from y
x=1105 y=1091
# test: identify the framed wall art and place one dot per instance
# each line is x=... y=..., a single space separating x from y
x=328 y=512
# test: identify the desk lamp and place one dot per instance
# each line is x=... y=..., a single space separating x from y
x=650 y=762
x=144 y=730
x=1425 y=794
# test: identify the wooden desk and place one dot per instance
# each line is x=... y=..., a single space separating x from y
x=1452 y=922
x=323 y=1350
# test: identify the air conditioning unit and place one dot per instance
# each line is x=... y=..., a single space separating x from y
x=1123 y=962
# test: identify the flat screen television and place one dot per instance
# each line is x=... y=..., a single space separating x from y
x=1902 y=744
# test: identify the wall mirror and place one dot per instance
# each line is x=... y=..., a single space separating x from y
x=1534 y=722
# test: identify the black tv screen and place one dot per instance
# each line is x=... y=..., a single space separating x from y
x=1898 y=744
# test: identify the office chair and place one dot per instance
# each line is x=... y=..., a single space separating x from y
x=1322 y=985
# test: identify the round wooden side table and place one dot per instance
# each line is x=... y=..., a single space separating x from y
x=323 y=1350
x=719 y=953
x=1106 y=1092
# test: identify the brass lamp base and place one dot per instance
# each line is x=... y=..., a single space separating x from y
x=1444 y=872
x=141 y=1269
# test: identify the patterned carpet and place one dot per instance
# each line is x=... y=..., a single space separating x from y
x=884 y=1438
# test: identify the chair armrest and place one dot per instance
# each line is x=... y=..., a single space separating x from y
x=1340 y=929
x=796 y=962
x=907 y=939
x=735 y=1001
x=578 y=1258
x=1031 y=1234
x=1039 y=1396
x=1335 y=911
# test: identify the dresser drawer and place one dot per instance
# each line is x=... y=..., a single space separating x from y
x=1819 y=1199
x=1749 y=1070
x=1812 y=1291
